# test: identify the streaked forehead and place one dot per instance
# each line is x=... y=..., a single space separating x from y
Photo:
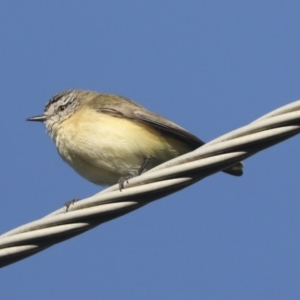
x=64 y=96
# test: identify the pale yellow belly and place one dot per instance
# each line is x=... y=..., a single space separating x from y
x=102 y=148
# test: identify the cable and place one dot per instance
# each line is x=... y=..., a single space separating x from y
x=163 y=180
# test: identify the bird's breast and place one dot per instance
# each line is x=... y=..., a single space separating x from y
x=102 y=148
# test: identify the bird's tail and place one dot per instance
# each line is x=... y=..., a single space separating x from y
x=235 y=170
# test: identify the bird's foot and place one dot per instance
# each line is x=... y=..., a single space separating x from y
x=142 y=168
x=67 y=204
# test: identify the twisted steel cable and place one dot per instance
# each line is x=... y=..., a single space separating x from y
x=161 y=181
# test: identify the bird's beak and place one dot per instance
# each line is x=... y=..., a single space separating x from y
x=41 y=118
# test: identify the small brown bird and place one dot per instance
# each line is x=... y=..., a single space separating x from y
x=108 y=139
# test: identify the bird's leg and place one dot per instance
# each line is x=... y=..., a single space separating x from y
x=144 y=165
x=67 y=204
x=142 y=168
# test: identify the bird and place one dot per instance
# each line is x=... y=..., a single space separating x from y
x=108 y=139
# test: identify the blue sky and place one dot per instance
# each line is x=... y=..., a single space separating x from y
x=210 y=66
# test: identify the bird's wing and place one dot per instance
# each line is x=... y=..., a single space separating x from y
x=131 y=110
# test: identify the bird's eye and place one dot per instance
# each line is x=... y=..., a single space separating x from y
x=62 y=107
